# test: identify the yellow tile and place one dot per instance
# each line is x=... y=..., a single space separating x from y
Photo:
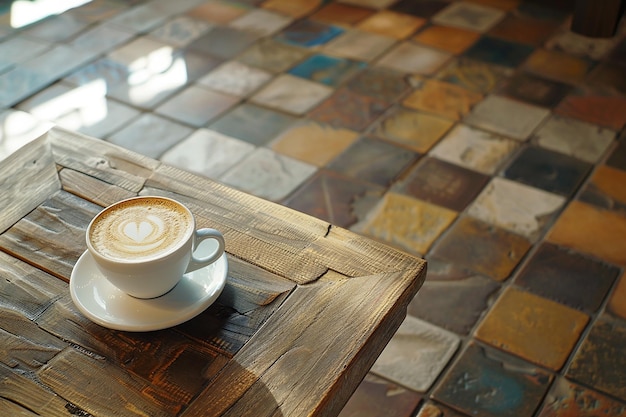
x=293 y=8
x=444 y=99
x=611 y=182
x=415 y=130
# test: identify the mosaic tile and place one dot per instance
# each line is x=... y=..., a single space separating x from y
x=376 y=397
x=416 y=354
x=415 y=59
x=223 y=42
x=342 y=14
x=507 y=117
x=567 y=398
x=139 y=19
x=18 y=83
x=253 y=124
x=314 y=143
x=489 y=383
x=499 y=51
x=606 y=189
x=406 y=223
x=617 y=301
x=575 y=44
x=272 y=56
x=558 y=66
x=374 y=4
x=472 y=74
x=196 y=105
x=235 y=78
x=346 y=109
x=291 y=94
x=102 y=71
x=100 y=39
x=482 y=247
x=308 y=33
x=617 y=157
x=56 y=28
x=516 y=207
x=217 y=12
x=474 y=149
x=143 y=53
x=575 y=138
x=507 y=5
x=534 y=89
x=196 y=64
x=18 y=49
x=423 y=8
x=523 y=29
x=382 y=83
x=17 y=128
x=293 y=8
x=452 y=298
x=335 y=198
x=150 y=135
x=359 y=45
x=262 y=22
x=547 y=170
x=180 y=31
x=608 y=78
x=442 y=183
x=601 y=234
x=96 y=11
x=268 y=175
x=447 y=38
x=604 y=110
x=393 y=24
x=374 y=161
x=599 y=362
x=207 y=153
x=467 y=15
x=57 y=62
x=545 y=11
x=441 y=98
x=415 y=130
x=545 y=332
x=327 y=69
x=567 y=277
x=433 y=409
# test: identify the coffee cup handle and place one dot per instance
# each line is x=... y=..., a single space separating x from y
x=201 y=235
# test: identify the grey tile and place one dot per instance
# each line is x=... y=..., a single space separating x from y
x=196 y=105
x=292 y=94
x=235 y=78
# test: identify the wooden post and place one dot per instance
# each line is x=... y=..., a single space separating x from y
x=597 y=18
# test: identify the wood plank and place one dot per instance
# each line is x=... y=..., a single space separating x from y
x=287 y=372
x=27 y=178
x=52 y=236
x=92 y=189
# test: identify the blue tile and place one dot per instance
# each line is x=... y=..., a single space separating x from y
x=327 y=69
x=308 y=33
x=500 y=52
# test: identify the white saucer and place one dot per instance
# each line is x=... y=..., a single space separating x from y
x=108 y=306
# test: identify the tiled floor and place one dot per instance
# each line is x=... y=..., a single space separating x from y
x=479 y=134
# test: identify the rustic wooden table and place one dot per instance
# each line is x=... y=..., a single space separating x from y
x=306 y=310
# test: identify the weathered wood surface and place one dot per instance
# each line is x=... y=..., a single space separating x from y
x=307 y=307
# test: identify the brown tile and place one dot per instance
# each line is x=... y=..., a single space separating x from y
x=499 y=4
x=534 y=89
x=444 y=99
x=600 y=361
x=609 y=78
x=451 y=39
x=452 y=298
x=406 y=223
x=422 y=8
x=313 y=142
x=617 y=301
x=567 y=277
x=489 y=383
x=473 y=74
x=586 y=105
x=524 y=29
x=293 y=8
x=393 y=24
x=558 y=66
x=381 y=83
x=217 y=12
x=415 y=130
x=617 y=159
x=335 y=198
x=532 y=327
x=606 y=189
x=567 y=398
x=376 y=397
x=433 y=409
x=342 y=14
x=591 y=230
x=443 y=183
x=346 y=109
x=272 y=56
x=481 y=247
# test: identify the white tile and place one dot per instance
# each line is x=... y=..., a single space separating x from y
x=292 y=94
x=235 y=78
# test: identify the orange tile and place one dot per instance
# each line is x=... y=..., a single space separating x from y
x=558 y=66
x=217 y=12
x=592 y=230
x=455 y=40
x=617 y=302
x=611 y=182
x=535 y=328
x=444 y=99
x=392 y=24
x=605 y=110
x=293 y=8
x=415 y=130
x=524 y=29
x=342 y=14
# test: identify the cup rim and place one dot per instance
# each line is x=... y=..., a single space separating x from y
x=159 y=257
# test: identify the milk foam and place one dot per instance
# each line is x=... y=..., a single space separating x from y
x=140 y=229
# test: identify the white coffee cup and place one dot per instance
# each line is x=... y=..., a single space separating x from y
x=144 y=245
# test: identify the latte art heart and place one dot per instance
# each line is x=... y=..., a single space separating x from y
x=140 y=229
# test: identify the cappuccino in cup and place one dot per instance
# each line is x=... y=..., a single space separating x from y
x=144 y=245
